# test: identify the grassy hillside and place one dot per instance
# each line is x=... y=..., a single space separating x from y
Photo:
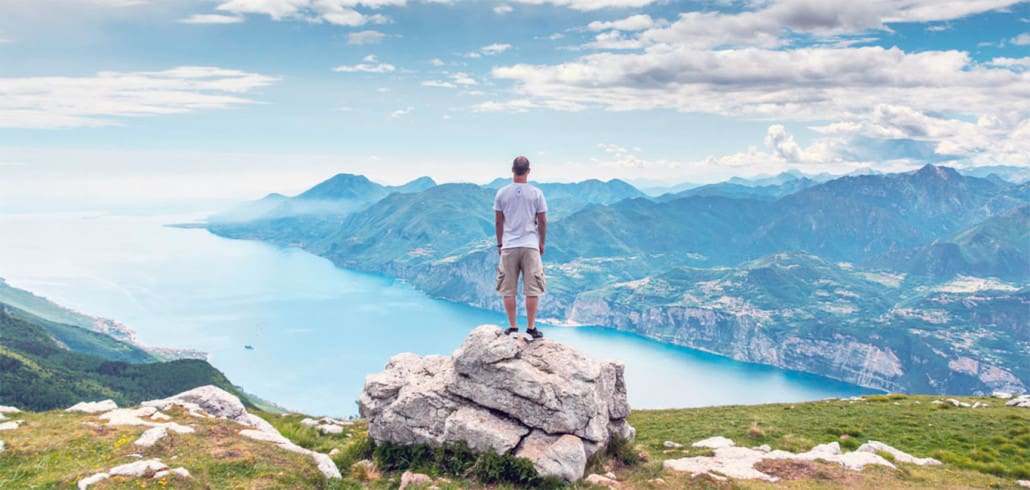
x=37 y=373
x=78 y=332
x=981 y=448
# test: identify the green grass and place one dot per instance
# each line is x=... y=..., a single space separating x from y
x=982 y=448
x=993 y=441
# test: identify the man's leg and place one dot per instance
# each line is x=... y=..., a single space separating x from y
x=531 y=302
x=509 y=308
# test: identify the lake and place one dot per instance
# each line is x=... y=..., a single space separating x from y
x=317 y=330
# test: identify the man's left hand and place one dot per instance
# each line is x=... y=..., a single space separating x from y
x=541 y=249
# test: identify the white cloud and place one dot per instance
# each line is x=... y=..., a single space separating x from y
x=502 y=9
x=632 y=23
x=371 y=65
x=436 y=62
x=457 y=79
x=556 y=36
x=61 y=102
x=211 y=19
x=463 y=79
x=339 y=12
x=401 y=112
x=613 y=40
x=495 y=48
x=437 y=83
x=365 y=37
x=1021 y=40
x=801 y=84
x=590 y=4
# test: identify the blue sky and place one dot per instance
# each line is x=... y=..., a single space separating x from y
x=197 y=99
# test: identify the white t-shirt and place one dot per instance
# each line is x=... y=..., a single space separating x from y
x=520 y=204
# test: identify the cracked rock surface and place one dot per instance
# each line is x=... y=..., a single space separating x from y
x=539 y=399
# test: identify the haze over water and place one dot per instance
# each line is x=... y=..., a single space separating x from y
x=317 y=330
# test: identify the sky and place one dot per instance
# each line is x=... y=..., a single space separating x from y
x=152 y=101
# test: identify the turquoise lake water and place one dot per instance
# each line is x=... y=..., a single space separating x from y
x=317 y=330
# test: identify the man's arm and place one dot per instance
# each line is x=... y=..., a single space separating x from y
x=499 y=227
x=541 y=228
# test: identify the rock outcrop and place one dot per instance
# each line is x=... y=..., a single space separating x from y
x=540 y=400
x=730 y=461
x=1022 y=401
x=211 y=401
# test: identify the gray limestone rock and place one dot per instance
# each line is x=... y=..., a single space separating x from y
x=496 y=391
x=563 y=457
x=93 y=407
x=482 y=430
x=899 y=456
x=210 y=399
x=1022 y=401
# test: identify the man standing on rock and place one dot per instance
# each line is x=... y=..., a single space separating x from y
x=520 y=218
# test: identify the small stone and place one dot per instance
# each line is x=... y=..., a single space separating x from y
x=7 y=409
x=89 y=480
x=658 y=482
x=1001 y=394
x=330 y=429
x=1 y=446
x=714 y=442
x=151 y=436
x=954 y=402
x=595 y=479
x=11 y=425
x=334 y=452
x=138 y=468
x=409 y=478
x=309 y=422
x=672 y=445
x=980 y=405
x=899 y=456
x=160 y=416
x=610 y=476
x=93 y=407
x=764 y=448
x=182 y=472
x=1023 y=483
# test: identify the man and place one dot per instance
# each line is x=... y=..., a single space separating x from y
x=520 y=218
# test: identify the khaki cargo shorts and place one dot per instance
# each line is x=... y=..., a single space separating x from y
x=524 y=260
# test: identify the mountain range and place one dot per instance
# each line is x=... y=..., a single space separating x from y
x=913 y=281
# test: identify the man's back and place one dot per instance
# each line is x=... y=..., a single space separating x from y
x=520 y=204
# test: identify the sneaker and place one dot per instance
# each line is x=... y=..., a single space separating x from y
x=535 y=333
x=511 y=330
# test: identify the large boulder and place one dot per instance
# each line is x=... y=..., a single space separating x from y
x=536 y=399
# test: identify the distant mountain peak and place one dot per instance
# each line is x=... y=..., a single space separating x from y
x=933 y=171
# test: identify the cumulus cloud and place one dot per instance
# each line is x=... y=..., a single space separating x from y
x=503 y=9
x=211 y=19
x=1021 y=40
x=749 y=64
x=365 y=37
x=495 y=48
x=339 y=12
x=632 y=23
x=64 y=102
x=371 y=65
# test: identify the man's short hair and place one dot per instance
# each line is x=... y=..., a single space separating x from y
x=520 y=165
